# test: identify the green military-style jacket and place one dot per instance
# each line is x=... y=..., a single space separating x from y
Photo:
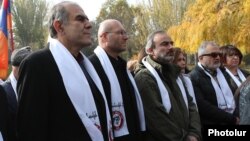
x=163 y=126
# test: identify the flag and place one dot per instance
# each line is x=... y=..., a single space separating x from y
x=5 y=32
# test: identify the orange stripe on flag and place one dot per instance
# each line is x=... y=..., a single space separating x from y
x=5 y=28
x=3 y=56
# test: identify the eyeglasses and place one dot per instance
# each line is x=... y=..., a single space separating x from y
x=122 y=32
x=167 y=43
x=213 y=54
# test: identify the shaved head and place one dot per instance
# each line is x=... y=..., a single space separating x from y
x=107 y=25
x=112 y=37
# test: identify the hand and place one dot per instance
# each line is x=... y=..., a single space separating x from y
x=191 y=138
x=237 y=121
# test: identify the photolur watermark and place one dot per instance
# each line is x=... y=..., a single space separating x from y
x=235 y=133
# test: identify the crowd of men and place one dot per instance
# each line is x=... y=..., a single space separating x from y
x=58 y=93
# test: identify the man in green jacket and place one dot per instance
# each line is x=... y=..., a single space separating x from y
x=168 y=116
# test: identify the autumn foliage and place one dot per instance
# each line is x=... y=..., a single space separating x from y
x=224 y=21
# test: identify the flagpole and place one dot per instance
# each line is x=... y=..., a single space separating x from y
x=10 y=26
x=11 y=37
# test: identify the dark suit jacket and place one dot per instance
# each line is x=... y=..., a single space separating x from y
x=3 y=114
x=45 y=111
x=127 y=94
x=229 y=79
x=234 y=86
x=12 y=107
x=207 y=101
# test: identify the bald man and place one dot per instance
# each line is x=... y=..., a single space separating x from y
x=121 y=91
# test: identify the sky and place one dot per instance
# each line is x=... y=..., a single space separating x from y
x=90 y=7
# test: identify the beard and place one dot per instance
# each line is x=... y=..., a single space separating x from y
x=217 y=65
x=213 y=66
x=165 y=58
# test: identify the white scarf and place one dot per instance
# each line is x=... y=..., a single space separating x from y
x=78 y=89
x=190 y=87
x=163 y=91
x=236 y=80
x=1 y=137
x=119 y=116
x=223 y=92
x=13 y=82
x=183 y=91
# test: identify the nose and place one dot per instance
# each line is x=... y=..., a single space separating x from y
x=125 y=37
x=88 y=25
x=217 y=57
x=183 y=62
x=170 y=46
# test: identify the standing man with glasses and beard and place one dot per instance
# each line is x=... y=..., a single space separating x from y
x=169 y=116
x=121 y=91
x=214 y=97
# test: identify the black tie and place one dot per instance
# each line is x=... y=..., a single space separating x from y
x=98 y=100
x=90 y=80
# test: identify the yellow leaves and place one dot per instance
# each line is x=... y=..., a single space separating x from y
x=246 y=5
x=226 y=22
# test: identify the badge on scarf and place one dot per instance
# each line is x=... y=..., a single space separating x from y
x=118 y=120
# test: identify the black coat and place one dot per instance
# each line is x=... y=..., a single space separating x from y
x=128 y=95
x=207 y=101
x=12 y=107
x=230 y=81
x=3 y=114
x=45 y=111
x=234 y=86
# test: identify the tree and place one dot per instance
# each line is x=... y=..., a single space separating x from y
x=226 y=22
x=141 y=27
x=151 y=15
x=142 y=19
x=29 y=25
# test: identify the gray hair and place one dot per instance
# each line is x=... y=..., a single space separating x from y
x=58 y=12
x=150 y=40
x=204 y=45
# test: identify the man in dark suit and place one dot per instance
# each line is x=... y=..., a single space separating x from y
x=61 y=96
x=10 y=88
x=3 y=115
x=120 y=88
x=214 y=97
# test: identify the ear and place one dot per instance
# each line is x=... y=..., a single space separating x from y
x=58 y=26
x=104 y=36
x=200 y=58
x=150 y=51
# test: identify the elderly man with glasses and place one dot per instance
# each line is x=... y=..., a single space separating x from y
x=213 y=94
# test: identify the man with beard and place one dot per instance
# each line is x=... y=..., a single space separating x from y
x=121 y=91
x=167 y=116
x=214 y=97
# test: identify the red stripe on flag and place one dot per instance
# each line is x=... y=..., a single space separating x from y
x=5 y=26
